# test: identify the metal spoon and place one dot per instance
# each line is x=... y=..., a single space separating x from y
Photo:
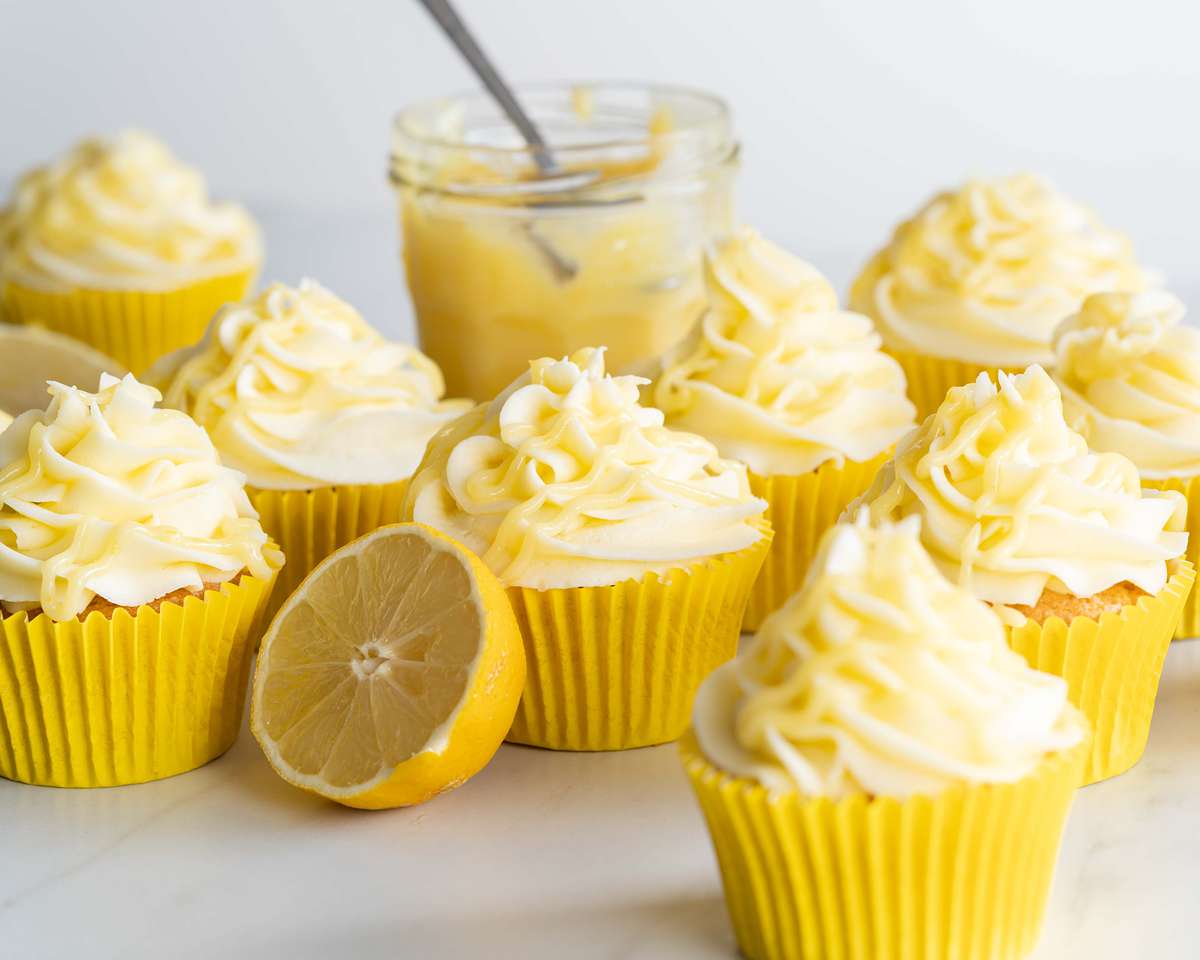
x=447 y=18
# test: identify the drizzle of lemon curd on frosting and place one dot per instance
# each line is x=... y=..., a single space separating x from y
x=1013 y=503
x=565 y=480
x=298 y=391
x=106 y=495
x=121 y=213
x=775 y=374
x=985 y=273
x=881 y=677
x=1129 y=370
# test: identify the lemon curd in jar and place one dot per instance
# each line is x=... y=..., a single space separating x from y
x=506 y=263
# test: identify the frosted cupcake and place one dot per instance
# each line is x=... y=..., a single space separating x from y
x=118 y=245
x=325 y=417
x=979 y=278
x=628 y=549
x=1084 y=565
x=1129 y=371
x=878 y=770
x=779 y=378
x=133 y=574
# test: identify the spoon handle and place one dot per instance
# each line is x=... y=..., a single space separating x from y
x=451 y=23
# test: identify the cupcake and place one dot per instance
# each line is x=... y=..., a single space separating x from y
x=628 y=549
x=133 y=574
x=325 y=417
x=778 y=377
x=118 y=245
x=1084 y=566
x=1129 y=371
x=881 y=775
x=980 y=277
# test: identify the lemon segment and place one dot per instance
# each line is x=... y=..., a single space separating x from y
x=29 y=356
x=393 y=672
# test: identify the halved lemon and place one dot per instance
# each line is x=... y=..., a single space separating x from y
x=393 y=672
x=29 y=356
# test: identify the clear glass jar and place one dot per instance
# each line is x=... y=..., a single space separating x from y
x=505 y=265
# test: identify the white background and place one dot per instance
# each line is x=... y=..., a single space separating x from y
x=851 y=111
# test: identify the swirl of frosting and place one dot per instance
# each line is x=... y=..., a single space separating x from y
x=775 y=374
x=298 y=391
x=1129 y=371
x=565 y=480
x=881 y=677
x=118 y=214
x=105 y=495
x=985 y=274
x=5 y=420
x=1013 y=503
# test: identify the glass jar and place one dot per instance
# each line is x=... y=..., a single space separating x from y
x=506 y=264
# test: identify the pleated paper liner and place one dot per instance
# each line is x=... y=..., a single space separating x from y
x=133 y=327
x=1189 y=623
x=930 y=378
x=1112 y=668
x=800 y=510
x=309 y=525
x=130 y=697
x=610 y=668
x=961 y=875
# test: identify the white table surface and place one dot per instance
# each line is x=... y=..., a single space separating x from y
x=542 y=855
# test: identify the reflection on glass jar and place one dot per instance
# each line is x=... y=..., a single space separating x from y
x=505 y=265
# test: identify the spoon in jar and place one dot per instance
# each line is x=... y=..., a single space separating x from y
x=447 y=18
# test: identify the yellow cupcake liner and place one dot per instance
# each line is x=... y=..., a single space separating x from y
x=133 y=327
x=1189 y=623
x=930 y=378
x=961 y=875
x=130 y=697
x=800 y=510
x=309 y=525
x=1112 y=668
x=610 y=668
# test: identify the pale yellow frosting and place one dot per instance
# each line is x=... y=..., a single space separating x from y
x=775 y=374
x=104 y=494
x=985 y=273
x=881 y=677
x=5 y=420
x=121 y=213
x=565 y=480
x=1012 y=502
x=1129 y=370
x=298 y=391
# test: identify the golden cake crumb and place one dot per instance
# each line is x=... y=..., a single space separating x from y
x=1068 y=607
x=107 y=608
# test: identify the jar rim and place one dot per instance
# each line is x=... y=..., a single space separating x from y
x=402 y=122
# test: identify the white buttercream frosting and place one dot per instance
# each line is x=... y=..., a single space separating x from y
x=881 y=677
x=298 y=391
x=121 y=213
x=106 y=495
x=1129 y=370
x=1012 y=502
x=566 y=480
x=984 y=273
x=776 y=375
